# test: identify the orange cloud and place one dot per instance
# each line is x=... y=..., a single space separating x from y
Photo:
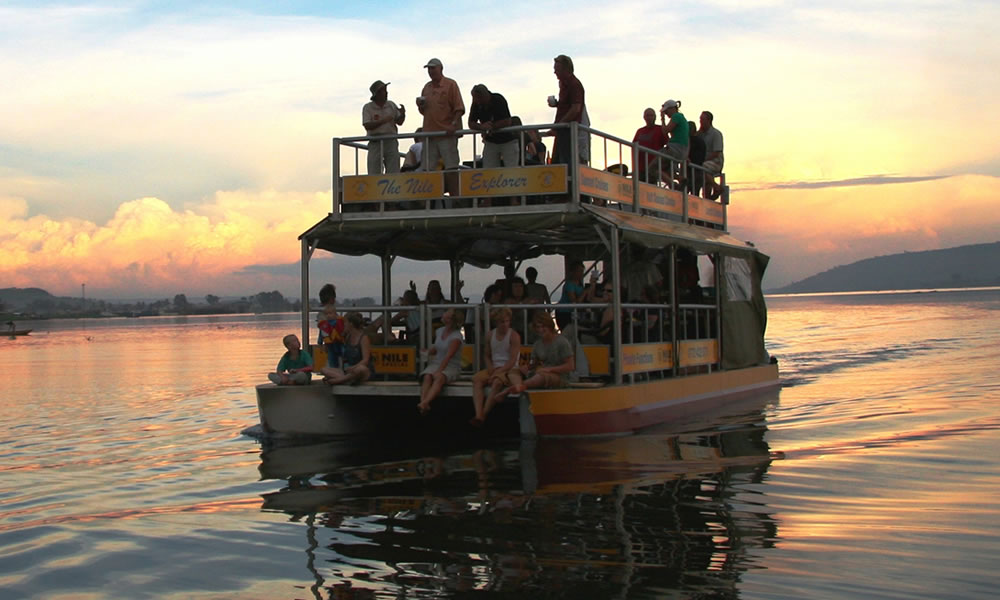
x=148 y=247
x=807 y=231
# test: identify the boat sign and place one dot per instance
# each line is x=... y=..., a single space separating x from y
x=516 y=181
x=402 y=186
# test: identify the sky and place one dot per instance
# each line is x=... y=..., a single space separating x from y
x=149 y=149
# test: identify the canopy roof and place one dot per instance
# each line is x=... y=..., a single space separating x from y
x=488 y=239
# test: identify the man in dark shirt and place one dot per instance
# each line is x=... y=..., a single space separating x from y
x=569 y=107
x=696 y=156
x=490 y=113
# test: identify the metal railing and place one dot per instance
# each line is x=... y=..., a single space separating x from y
x=657 y=168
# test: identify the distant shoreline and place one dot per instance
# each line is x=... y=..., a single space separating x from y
x=883 y=292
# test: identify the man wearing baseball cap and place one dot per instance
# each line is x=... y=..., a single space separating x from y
x=441 y=105
x=381 y=117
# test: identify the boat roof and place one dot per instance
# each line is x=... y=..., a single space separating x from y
x=485 y=238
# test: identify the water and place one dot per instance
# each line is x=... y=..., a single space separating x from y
x=872 y=473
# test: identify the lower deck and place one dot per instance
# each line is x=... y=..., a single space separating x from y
x=583 y=408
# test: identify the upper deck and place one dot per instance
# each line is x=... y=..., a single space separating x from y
x=524 y=188
x=512 y=212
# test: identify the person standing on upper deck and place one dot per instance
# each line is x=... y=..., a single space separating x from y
x=440 y=103
x=677 y=130
x=651 y=136
x=569 y=106
x=489 y=113
x=713 y=153
x=380 y=117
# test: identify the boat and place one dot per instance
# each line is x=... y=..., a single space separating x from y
x=706 y=349
x=13 y=331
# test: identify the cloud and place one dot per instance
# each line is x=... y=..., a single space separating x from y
x=148 y=246
x=810 y=230
x=811 y=185
x=122 y=122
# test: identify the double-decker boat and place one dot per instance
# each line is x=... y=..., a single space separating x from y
x=690 y=349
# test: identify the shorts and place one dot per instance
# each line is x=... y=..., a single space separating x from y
x=509 y=153
x=444 y=148
x=550 y=380
x=676 y=151
x=483 y=377
x=713 y=166
x=450 y=373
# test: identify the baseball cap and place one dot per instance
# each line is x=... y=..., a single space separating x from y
x=434 y=62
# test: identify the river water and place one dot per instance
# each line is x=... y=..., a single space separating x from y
x=872 y=473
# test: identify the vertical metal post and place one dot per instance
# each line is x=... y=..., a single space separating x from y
x=719 y=273
x=305 y=292
x=684 y=196
x=616 y=302
x=386 y=296
x=335 y=184
x=574 y=163
x=684 y=188
x=635 y=177
x=674 y=309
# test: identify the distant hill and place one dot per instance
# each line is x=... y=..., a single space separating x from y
x=18 y=298
x=965 y=266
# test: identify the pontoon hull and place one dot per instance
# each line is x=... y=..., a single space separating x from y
x=316 y=411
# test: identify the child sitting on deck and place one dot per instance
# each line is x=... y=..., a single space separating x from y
x=295 y=366
x=552 y=359
x=501 y=353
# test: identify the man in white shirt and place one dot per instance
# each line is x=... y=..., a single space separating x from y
x=381 y=117
x=713 y=154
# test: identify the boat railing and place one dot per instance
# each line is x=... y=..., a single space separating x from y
x=604 y=175
x=652 y=342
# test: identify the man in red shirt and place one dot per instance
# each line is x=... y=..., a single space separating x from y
x=651 y=136
x=569 y=107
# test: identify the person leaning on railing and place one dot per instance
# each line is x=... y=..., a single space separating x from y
x=696 y=156
x=713 y=154
x=649 y=136
x=534 y=149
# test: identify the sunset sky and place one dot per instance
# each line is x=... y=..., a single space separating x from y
x=149 y=149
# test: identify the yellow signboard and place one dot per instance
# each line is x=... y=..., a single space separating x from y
x=698 y=352
x=705 y=210
x=401 y=186
x=395 y=359
x=637 y=358
x=602 y=184
x=654 y=197
x=514 y=181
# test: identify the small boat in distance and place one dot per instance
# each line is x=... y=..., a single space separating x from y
x=13 y=331
x=684 y=336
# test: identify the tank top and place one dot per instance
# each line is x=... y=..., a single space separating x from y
x=353 y=354
x=500 y=349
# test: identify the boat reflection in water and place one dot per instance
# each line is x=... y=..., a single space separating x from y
x=658 y=514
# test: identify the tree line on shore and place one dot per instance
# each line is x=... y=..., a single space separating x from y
x=36 y=303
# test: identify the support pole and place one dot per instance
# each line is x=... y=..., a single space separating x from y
x=674 y=309
x=335 y=184
x=306 y=253
x=616 y=302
